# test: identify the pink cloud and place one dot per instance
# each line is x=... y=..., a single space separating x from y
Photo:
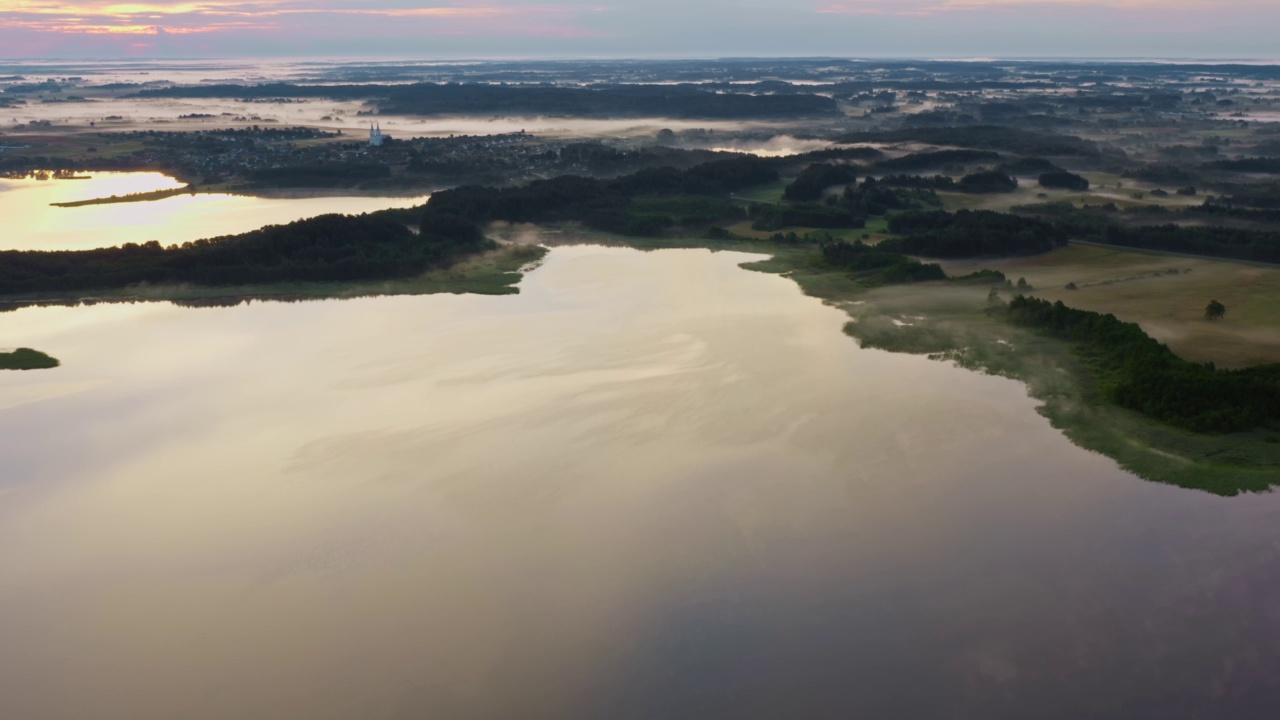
x=934 y=7
x=105 y=17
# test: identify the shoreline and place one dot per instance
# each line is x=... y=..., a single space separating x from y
x=945 y=321
x=266 y=193
x=495 y=272
x=951 y=323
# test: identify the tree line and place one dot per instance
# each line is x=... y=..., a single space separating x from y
x=971 y=233
x=1139 y=373
x=934 y=159
x=325 y=248
x=612 y=205
x=878 y=266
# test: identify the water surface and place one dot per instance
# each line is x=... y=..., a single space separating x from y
x=653 y=485
x=30 y=223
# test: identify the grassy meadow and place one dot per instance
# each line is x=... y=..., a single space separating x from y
x=958 y=323
x=952 y=323
x=1165 y=294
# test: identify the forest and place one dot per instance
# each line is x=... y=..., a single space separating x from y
x=879 y=267
x=935 y=159
x=1136 y=372
x=877 y=197
x=1063 y=180
x=811 y=215
x=1265 y=165
x=932 y=182
x=987 y=181
x=971 y=234
x=614 y=205
x=1102 y=225
x=1210 y=240
x=815 y=179
x=325 y=248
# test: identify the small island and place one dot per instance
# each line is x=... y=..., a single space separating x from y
x=27 y=359
x=130 y=198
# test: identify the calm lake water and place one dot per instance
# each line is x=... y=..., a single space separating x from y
x=653 y=485
x=29 y=223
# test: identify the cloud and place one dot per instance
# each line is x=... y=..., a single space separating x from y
x=237 y=16
x=637 y=28
x=935 y=7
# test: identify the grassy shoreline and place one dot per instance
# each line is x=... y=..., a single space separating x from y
x=945 y=321
x=950 y=324
x=957 y=323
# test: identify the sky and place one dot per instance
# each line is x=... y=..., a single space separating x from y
x=444 y=29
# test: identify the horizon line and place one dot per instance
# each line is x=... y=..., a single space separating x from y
x=1212 y=60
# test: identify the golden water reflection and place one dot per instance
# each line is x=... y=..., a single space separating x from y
x=30 y=223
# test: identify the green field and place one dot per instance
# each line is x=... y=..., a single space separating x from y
x=877 y=229
x=73 y=146
x=771 y=193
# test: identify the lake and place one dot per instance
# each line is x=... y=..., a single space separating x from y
x=652 y=485
x=31 y=224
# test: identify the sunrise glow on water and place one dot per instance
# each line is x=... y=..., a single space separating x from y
x=35 y=224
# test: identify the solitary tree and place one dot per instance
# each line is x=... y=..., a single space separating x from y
x=1215 y=310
